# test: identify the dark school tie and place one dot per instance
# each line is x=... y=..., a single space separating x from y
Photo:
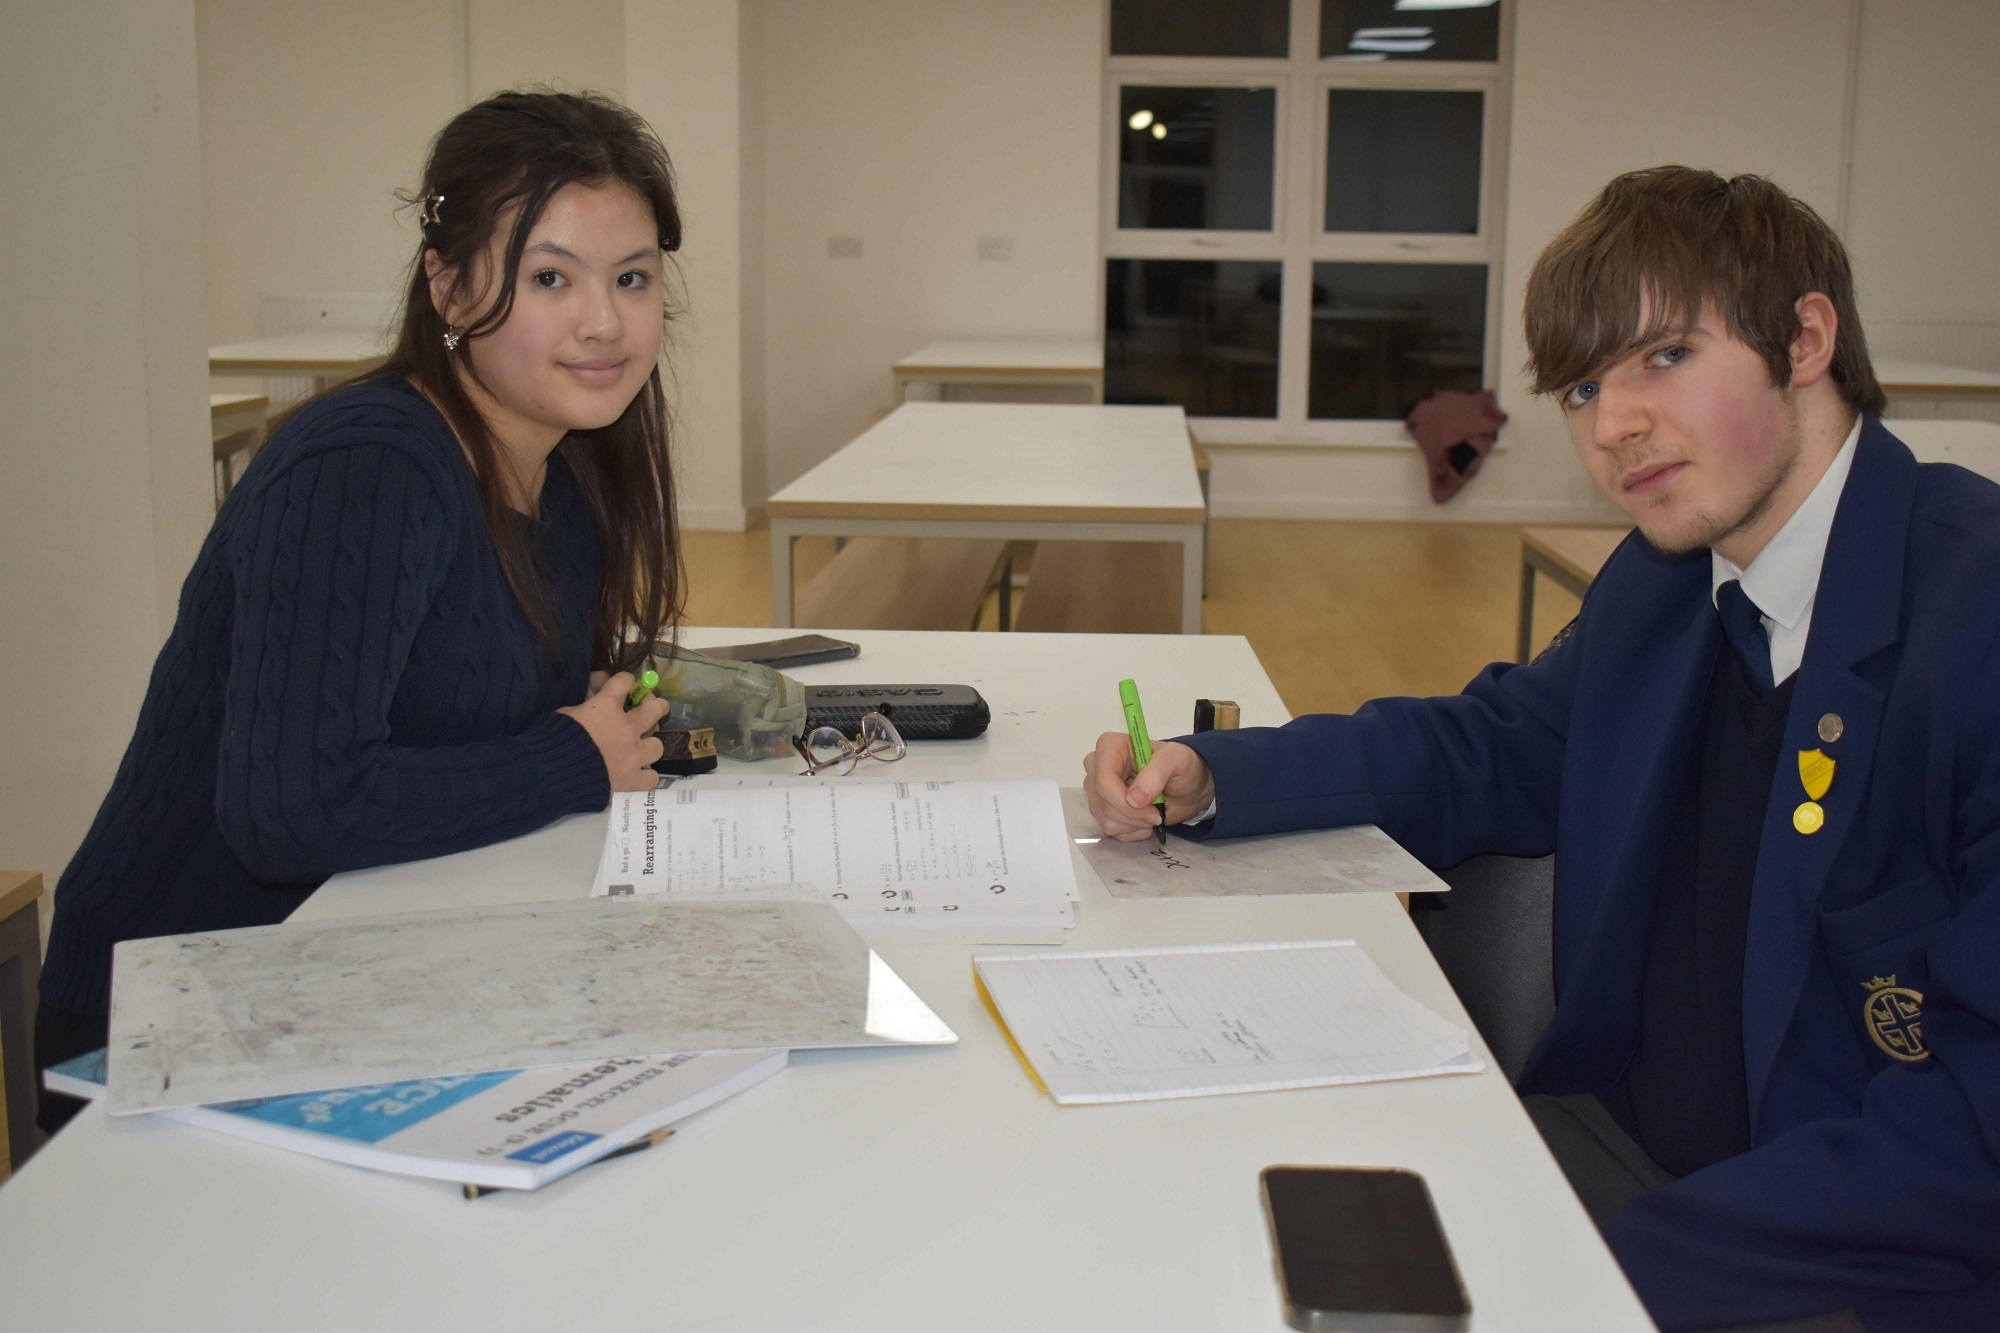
x=1743 y=625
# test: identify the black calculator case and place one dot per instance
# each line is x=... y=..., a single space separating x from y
x=920 y=712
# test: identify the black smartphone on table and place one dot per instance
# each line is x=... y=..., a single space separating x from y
x=1361 y=1249
x=796 y=651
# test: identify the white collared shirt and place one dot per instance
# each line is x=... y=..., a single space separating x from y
x=1783 y=580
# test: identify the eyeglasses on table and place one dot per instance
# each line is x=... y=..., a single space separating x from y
x=828 y=747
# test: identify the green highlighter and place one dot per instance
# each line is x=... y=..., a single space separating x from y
x=640 y=689
x=1142 y=745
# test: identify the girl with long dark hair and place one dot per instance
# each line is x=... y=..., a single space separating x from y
x=411 y=629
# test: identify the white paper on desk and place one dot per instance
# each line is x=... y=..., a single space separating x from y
x=1115 y=1025
x=720 y=780
x=274 y=1011
x=882 y=851
x=1361 y=859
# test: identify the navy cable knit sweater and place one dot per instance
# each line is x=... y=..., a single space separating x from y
x=350 y=682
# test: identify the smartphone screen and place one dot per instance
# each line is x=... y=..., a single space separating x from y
x=1361 y=1249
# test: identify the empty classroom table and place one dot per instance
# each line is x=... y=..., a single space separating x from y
x=1015 y=471
x=236 y=414
x=236 y=423
x=1973 y=445
x=1011 y=361
x=859 y=1189
x=1570 y=556
x=1926 y=390
x=325 y=355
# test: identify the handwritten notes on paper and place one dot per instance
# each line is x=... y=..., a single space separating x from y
x=1114 y=1025
x=889 y=853
x=1340 y=860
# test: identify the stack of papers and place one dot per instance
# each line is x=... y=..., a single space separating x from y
x=979 y=856
x=276 y=1011
x=1123 y=1025
x=515 y=1129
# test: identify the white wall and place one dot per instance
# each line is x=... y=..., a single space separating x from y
x=750 y=243
x=1926 y=179
x=917 y=126
x=312 y=117
x=104 y=459
x=1924 y=188
x=683 y=72
x=576 y=46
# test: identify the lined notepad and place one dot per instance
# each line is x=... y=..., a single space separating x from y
x=1114 y=1025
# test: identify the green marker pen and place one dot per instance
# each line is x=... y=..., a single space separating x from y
x=1142 y=745
x=640 y=689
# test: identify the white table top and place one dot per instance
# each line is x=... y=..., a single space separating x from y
x=1008 y=461
x=301 y=352
x=1914 y=377
x=1078 y=356
x=858 y=1189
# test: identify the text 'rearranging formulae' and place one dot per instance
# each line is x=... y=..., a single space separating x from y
x=898 y=854
x=1115 y=1025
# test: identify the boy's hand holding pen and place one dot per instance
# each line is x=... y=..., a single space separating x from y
x=1135 y=798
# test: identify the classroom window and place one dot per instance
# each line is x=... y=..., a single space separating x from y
x=1198 y=333
x=1300 y=210
x=1383 y=30
x=1196 y=159
x=1403 y=160
x=1387 y=336
x=1200 y=28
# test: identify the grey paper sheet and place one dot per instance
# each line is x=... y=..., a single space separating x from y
x=1342 y=860
x=278 y=1010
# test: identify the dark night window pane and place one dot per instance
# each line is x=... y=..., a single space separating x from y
x=1387 y=336
x=1402 y=160
x=1202 y=334
x=1196 y=158
x=1201 y=28
x=1384 y=30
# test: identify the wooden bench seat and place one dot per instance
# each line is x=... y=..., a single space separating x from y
x=902 y=583
x=1103 y=588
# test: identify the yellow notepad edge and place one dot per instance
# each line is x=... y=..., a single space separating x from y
x=986 y=998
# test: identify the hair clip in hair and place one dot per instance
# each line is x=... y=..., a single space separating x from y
x=427 y=211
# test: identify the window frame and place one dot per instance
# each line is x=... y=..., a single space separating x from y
x=1298 y=239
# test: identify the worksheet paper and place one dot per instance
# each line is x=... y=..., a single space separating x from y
x=1360 y=859
x=885 y=853
x=1119 y=1025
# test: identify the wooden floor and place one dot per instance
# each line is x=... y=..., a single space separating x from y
x=1339 y=613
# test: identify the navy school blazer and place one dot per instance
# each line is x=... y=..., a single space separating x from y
x=1871 y=969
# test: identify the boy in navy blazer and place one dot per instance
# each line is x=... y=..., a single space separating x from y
x=1767 y=758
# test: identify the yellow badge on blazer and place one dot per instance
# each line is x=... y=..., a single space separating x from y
x=1816 y=772
x=1894 y=1017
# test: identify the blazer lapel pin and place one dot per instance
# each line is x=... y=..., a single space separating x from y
x=1816 y=772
